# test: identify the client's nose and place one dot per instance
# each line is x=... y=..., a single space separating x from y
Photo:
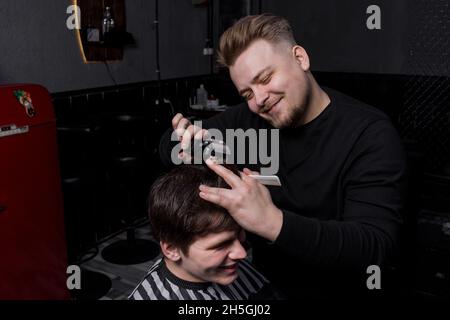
x=237 y=251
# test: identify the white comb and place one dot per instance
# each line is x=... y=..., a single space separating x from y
x=267 y=180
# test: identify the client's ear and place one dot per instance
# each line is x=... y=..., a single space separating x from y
x=170 y=251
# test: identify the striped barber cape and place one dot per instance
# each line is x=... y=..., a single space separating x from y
x=161 y=284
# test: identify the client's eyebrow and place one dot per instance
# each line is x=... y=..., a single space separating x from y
x=222 y=242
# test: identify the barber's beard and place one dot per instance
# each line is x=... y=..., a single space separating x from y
x=281 y=123
x=296 y=113
x=293 y=118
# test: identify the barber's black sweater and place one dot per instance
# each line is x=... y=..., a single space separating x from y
x=343 y=177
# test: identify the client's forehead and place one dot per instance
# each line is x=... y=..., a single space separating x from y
x=214 y=239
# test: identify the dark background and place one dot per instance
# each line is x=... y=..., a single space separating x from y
x=333 y=32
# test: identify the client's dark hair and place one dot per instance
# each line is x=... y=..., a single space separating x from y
x=177 y=213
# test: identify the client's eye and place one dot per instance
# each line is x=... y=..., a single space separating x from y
x=225 y=244
x=248 y=96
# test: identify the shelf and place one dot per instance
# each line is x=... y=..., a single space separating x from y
x=91 y=19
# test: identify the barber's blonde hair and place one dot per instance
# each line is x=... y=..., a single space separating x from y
x=238 y=37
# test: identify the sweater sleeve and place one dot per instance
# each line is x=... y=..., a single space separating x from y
x=373 y=191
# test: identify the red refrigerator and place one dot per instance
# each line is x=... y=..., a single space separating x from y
x=33 y=257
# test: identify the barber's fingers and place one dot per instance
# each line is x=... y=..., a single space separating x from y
x=188 y=135
x=219 y=196
x=186 y=157
x=249 y=180
x=176 y=120
x=185 y=153
x=201 y=134
x=250 y=172
x=230 y=178
x=193 y=132
x=180 y=126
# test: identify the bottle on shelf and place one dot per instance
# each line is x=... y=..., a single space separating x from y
x=108 y=21
x=202 y=96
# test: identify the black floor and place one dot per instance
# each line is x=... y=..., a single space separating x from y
x=123 y=278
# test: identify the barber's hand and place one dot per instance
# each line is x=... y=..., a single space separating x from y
x=248 y=201
x=185 y=132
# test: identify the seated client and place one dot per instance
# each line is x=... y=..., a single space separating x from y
x=203 y=254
